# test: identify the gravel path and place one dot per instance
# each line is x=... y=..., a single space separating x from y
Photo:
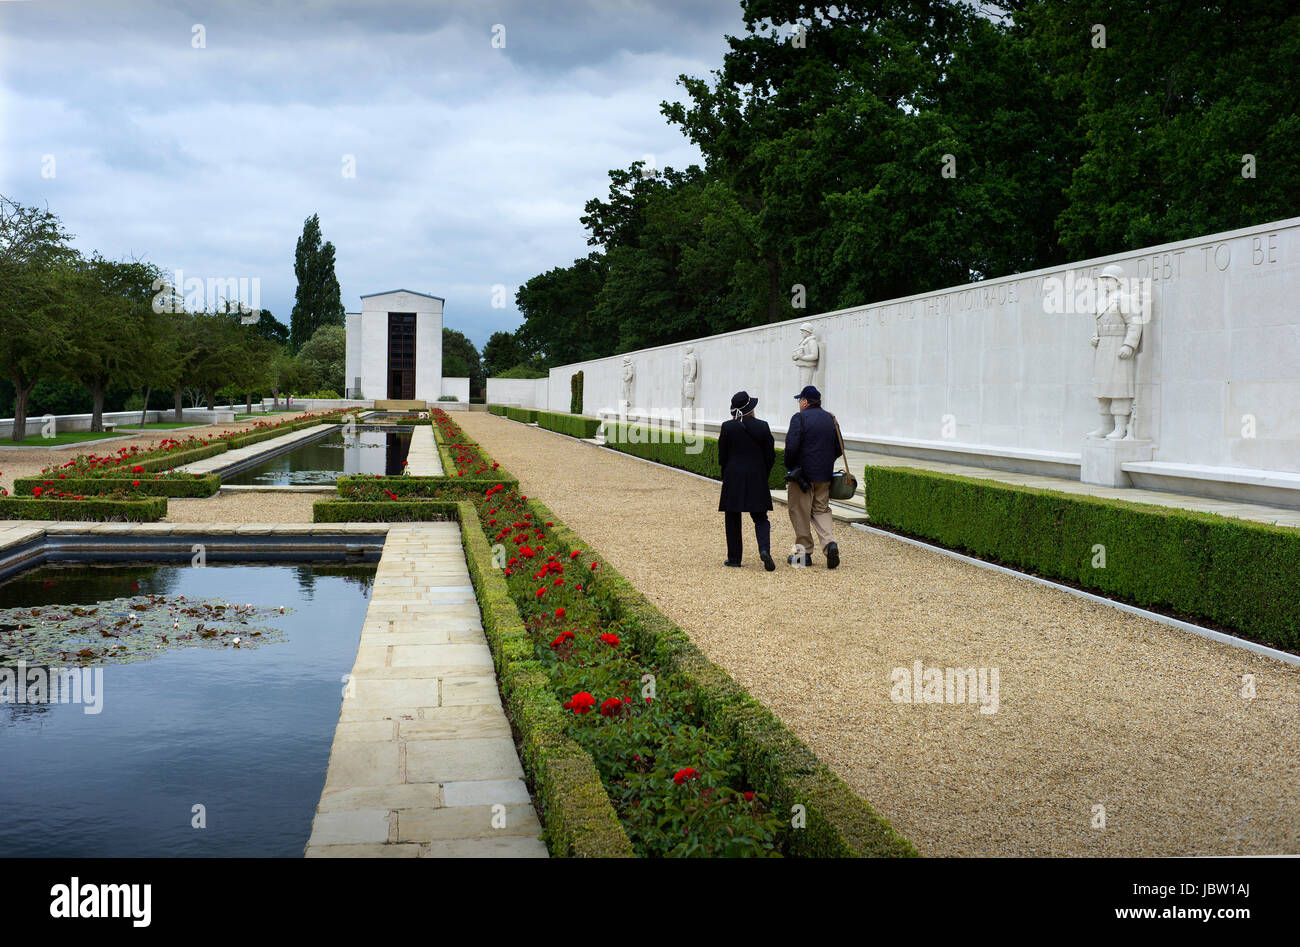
x=1096 y=707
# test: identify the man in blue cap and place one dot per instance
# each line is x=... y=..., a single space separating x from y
x=811 y=447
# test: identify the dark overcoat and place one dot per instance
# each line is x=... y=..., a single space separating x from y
x=746 y=453
x=811 y=443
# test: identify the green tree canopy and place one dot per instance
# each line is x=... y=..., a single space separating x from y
x=317 y=300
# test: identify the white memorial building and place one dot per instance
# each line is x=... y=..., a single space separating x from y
x=394 y=349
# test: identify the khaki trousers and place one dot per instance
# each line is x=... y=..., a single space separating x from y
x=814 y=507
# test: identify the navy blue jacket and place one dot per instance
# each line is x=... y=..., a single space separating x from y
x=811 y=443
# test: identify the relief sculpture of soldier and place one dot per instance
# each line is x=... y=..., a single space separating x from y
x=1117 y=339
x=807 y=354
x=690 y=369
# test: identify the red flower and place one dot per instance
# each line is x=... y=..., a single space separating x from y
x=37 y=491
x=593 y=566
x=561 y=638
x=611 y=707
x=558 y=581
x=580 y=703
x=559 y=613
x=135 y=483
x=749 y=797
x=609 y=639
x=684 y=775
x=575 y=554
x=541 y=591
x=137 y=469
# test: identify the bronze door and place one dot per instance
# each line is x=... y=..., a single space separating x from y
x=401 y=355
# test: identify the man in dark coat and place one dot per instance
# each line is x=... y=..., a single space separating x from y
x=746 y=453
x=811 y=446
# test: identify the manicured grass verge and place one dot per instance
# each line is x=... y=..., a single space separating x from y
x=579 y=819
x=144 y=510
x=174 y=486
x=575 y=425
x=697 y=453
x=526 y=415
x=1235 y=573
x=498 y=409
x=58 y=440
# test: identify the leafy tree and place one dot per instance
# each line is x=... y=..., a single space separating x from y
x=270 y=328
x=36 y=276
x=322 y=358
x=558 y=313
x=317 y=300
x=501 y=351
x=114 y=335
x=460 y=359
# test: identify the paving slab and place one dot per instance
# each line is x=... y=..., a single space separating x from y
x=421 y=718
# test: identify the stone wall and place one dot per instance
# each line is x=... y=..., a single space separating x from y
x=987 y=373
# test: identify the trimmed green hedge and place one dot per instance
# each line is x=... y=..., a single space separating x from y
x=256 y=437
x=383 y=511
x=370 y=488
x=143 y=510
x=526 y=415
x=177 y=459
x=575 y=425
x=201 y=486
x=498 y=409
x=840 y=823
x=673 y=450
x=1236 y=573
x=579 y=819
x=575 y=392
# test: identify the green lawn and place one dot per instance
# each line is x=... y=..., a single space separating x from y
x=69 y=437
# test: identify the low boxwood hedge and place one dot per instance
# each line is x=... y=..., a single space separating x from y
x=575 y=425
x=498 y=409
x=697 y=453
x=383 y=511
x=577 y=814
x=174 y=486
x=526 y=415
x=102 y=509
x=435 y=488
x=1235 y=573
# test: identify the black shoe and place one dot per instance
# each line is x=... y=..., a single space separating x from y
x=768 y=564
x=728 y=562
x=805 y=560
x=832 y=556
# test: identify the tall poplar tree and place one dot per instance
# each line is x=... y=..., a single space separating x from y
x=318 y=300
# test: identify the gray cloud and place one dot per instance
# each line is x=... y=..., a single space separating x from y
x=472 y=163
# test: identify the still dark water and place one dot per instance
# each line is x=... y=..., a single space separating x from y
x=323 y=461
x=244 y=733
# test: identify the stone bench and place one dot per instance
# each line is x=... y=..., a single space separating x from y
x=1248 y=484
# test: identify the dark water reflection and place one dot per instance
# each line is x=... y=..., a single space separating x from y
x=322 y=461
x=244 y=733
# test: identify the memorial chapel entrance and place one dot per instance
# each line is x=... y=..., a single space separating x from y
x=401 y=355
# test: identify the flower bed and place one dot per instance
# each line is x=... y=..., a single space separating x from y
x=265 y=430
x=693 y=765
x=55 y=505
x=173 y=484
x=130 y=462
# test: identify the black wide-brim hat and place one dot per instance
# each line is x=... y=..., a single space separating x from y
x=742 y=401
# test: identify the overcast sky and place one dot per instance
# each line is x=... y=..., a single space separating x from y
x=472 y=163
